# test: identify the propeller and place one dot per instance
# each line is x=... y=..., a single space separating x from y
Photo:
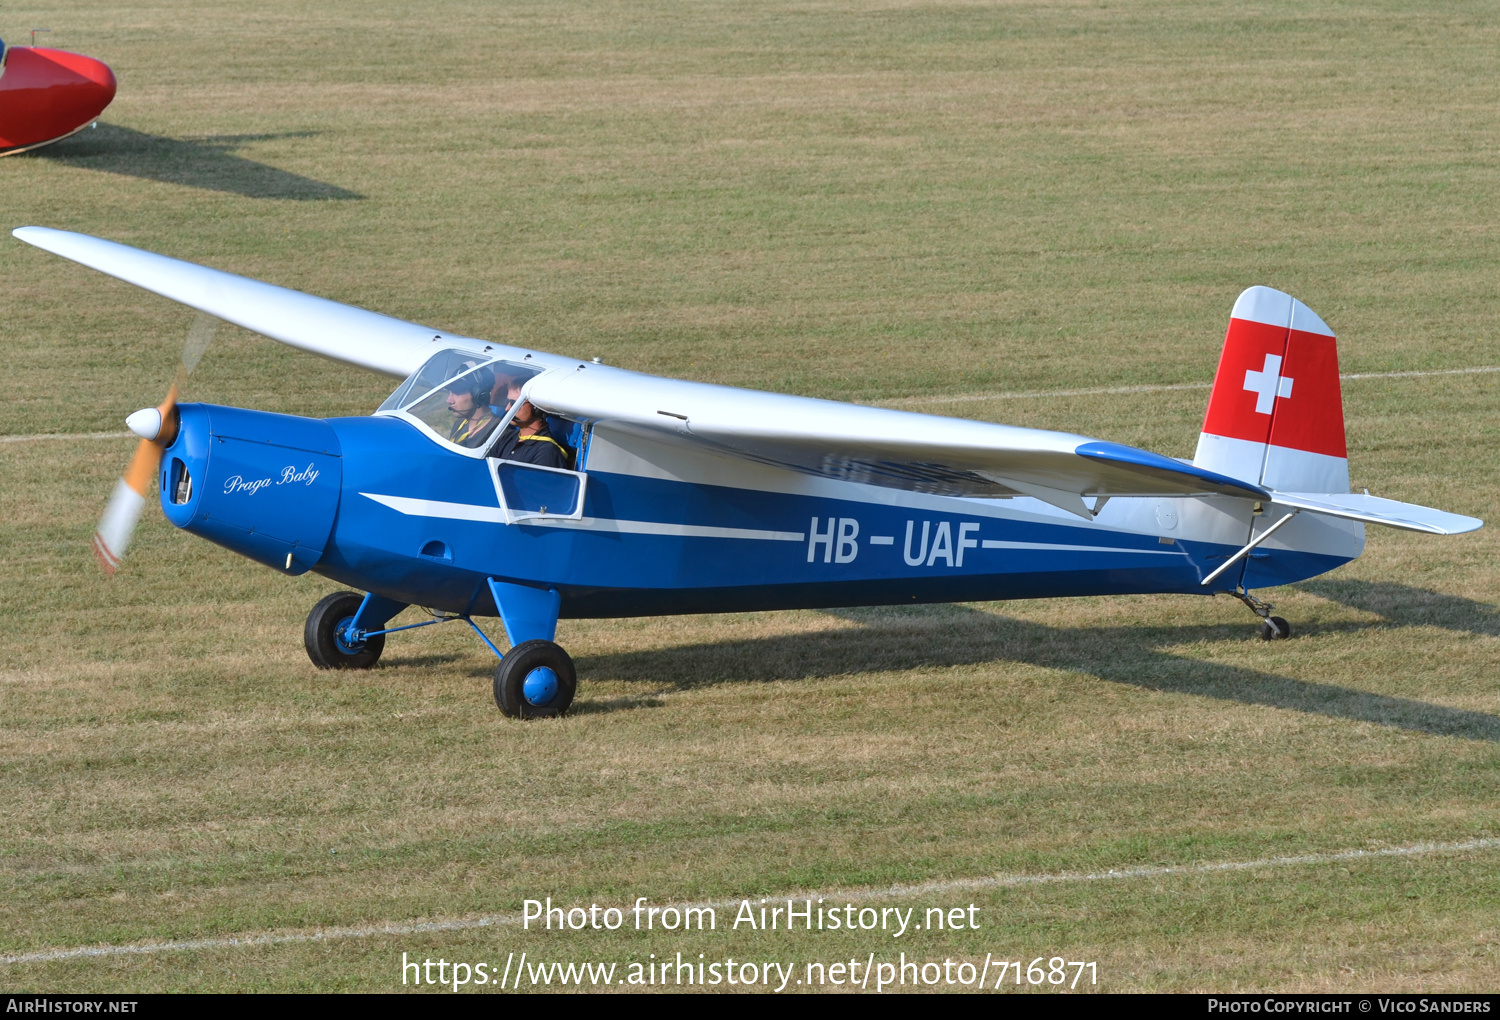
x=157 y=427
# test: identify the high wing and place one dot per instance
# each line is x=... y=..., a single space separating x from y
x=342 y=332
x=898 y=449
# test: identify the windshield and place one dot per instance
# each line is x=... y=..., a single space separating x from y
x=438 y=369
x=460 y=397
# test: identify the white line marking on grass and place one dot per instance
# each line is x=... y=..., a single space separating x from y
x=965 y=398
x=860 y=894
x=1154 y=871
x=64 y=435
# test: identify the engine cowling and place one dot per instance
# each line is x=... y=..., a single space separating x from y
x=263 y=485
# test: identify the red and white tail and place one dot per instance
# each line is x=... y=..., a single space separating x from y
x=1276 y=415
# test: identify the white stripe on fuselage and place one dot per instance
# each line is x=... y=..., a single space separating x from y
x=660 y=528
x=493 y=514
x=438 y=508
x=991 y=543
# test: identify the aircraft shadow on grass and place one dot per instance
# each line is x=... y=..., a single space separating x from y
x=207 y=162
x=1405 y=606
x=904 y=638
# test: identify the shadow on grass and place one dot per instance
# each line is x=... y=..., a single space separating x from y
x=207 y=162
x=945 y=636
x=1410 y=607
x=418 y=661
x=607 y=705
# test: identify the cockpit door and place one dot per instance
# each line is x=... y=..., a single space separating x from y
x=531 y=491
x=528 y=491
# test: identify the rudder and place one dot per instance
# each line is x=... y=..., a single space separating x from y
x=1276 y=414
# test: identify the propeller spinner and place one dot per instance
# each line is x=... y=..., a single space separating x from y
x=157 y=427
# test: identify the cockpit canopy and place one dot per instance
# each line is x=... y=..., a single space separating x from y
x=458 y=396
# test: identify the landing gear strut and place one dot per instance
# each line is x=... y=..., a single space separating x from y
x=535 y=679
x=1272 y=628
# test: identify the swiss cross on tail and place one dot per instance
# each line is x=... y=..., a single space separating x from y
x=1268 y=384
x=1278 y=379
x=1275 y=415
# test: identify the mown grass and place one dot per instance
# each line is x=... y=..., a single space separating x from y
x=887 y=202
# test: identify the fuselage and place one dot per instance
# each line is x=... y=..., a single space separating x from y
x=669 y=527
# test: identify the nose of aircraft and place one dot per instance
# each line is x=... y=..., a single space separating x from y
x=145 y=423
x=48 y=94
x=264 y=485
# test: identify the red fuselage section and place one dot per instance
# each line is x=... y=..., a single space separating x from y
x=48 y=94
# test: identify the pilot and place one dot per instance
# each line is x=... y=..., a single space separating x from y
x=469 y=402
x=528 y=439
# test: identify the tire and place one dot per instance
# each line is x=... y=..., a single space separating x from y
x=1280 y=632
x=553 y=681
x=320 y=635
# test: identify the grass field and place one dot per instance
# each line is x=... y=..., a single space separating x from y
x=887 y=202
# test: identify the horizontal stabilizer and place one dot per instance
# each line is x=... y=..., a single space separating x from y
x=1358 y=506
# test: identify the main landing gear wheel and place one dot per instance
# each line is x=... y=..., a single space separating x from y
x=535 y=680
x=1274 y=628
x=327 y=645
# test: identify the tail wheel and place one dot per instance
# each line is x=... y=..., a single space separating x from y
x=1274 y=628
x=535 y=680
x=325 y=635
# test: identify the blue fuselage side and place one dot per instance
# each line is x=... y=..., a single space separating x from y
x=377 y=504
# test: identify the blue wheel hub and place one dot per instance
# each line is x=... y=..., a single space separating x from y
x=343 y=636
x=539 y=687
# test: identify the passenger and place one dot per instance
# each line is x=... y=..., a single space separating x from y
x=528 y=440
x=469 y=402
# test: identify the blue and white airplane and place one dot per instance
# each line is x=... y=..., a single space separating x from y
x=683 y=497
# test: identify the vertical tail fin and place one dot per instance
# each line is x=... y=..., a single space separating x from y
x=1276 y=415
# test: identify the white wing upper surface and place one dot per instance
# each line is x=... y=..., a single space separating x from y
x=344 y=333
x=884 y=447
